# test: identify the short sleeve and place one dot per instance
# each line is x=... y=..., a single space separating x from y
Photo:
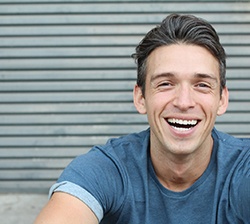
x=244 y=199
x=97 y=179
x=80 y=193
x=240 y=189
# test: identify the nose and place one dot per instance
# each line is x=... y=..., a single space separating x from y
x=184 y=98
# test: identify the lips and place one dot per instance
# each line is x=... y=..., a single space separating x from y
x=182 y=125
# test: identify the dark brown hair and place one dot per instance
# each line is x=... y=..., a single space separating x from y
x=176 y=29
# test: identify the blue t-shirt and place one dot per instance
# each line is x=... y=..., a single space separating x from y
x=117 y=181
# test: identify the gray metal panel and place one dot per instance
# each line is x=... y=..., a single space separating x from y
x=66 y=78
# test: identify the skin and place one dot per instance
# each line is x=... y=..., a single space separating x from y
x=63 y=208
x=182 y=82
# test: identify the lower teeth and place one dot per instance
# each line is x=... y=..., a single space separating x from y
x=181 y=129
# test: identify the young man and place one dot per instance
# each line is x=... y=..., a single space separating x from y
x=180 y=170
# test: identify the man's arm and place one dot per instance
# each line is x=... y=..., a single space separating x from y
x=64 y=208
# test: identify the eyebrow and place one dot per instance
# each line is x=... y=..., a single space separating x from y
x=162 y=75
x=206 y=76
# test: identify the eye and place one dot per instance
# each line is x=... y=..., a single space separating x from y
x=162 y=84
x=203 y=85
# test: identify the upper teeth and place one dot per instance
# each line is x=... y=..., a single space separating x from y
x=182 y=122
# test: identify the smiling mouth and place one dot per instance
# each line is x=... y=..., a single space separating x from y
x=182 y=125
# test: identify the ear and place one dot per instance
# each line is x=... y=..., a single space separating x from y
x=223 y=102
x=139 y=100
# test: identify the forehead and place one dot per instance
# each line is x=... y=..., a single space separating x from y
x=182 y=60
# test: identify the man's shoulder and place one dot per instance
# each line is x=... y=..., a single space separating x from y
x=230 y=140
x=127 y=146
x=133 y=140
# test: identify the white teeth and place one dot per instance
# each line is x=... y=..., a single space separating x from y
x=181 y=129
x=182 y=122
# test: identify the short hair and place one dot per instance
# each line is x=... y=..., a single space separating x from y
x=175 y=29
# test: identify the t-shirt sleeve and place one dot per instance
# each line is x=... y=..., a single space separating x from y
x=97 y=179
x=80 y=193
x=240 y=190
x=244 y=199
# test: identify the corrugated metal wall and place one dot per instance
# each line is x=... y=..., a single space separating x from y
x=66 y=77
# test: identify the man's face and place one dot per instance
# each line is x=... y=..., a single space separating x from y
x=182 y=98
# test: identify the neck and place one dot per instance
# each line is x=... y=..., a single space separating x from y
x=177 y=173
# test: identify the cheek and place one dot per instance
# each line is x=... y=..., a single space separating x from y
x=155 y=103
x=212 y=108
